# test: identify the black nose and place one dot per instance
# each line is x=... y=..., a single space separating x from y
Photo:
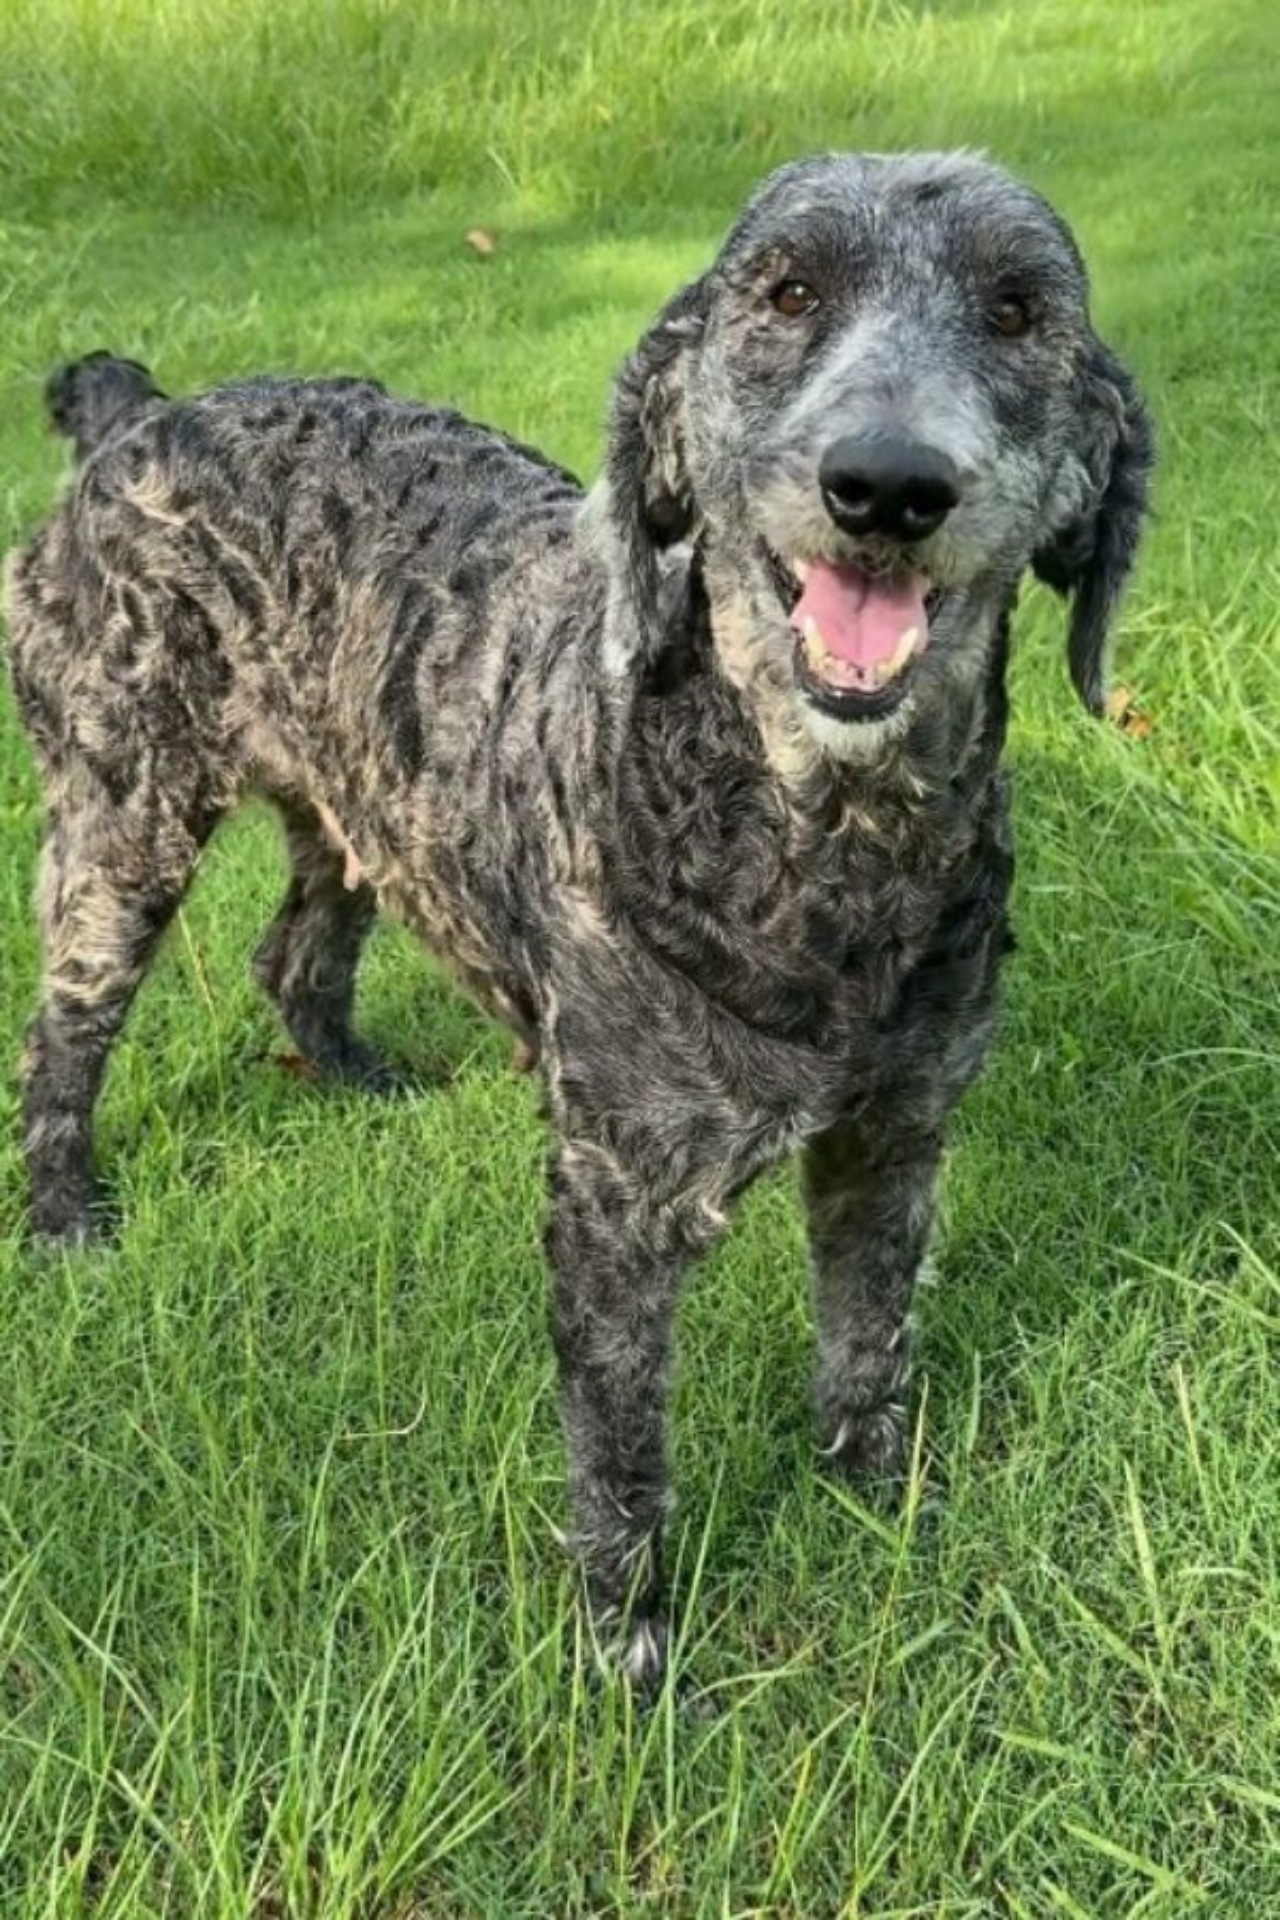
x=872 y=483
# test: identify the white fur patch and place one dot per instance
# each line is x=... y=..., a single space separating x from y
x=855 y=740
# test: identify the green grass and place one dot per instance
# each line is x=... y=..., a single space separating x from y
x=283 y=1628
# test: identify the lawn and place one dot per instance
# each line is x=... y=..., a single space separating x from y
x=284 y=1630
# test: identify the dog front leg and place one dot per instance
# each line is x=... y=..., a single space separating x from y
x=616 y=1259
x=869 y=1197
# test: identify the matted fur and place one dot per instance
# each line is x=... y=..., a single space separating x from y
x=568 y=748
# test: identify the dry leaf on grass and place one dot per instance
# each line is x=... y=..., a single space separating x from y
x=481 y=241
x=296 y=1065
x=1124 y=711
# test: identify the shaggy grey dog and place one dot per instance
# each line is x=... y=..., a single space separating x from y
x=695 y=782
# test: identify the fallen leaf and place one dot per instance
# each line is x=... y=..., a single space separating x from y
x=296 y=1065
x=481 y=241
x=1123 y=710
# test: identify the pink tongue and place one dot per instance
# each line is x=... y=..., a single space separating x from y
x=860 y=618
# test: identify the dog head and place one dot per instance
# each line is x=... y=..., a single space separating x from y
x=879 y=407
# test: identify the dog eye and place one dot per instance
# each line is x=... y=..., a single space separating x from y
x=1010 y=315
x=795 y=298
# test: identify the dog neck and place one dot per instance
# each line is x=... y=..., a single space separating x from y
x=724 y=662
x=715 y=747
x=761 y=869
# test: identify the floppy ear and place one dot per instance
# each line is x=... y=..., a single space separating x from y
x=643 y=502
x=1088 y=556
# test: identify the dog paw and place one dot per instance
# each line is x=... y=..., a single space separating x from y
x=353 y=1063
x=870 y=1447
x=641 y=1655
x=63 y=1222
x=363 y=1067
x=630 y=1643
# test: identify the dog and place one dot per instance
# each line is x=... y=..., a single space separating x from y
x=694 y=779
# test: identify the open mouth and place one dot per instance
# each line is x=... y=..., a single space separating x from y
x=859 y=636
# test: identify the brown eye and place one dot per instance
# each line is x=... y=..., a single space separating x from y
x=795 y=298
x=1010 y=316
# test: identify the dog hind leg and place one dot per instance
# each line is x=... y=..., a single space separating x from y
x=308 y=958
x=112 y=877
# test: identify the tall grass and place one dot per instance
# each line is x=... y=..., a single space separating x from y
x=289 y=104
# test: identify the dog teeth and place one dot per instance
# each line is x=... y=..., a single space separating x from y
x=901 y=654
x=800 y=568
x=814 y=644
x=826 y=665
x=815 y=647
x=838 y=672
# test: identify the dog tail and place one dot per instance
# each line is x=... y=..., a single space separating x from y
x=92 y=398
